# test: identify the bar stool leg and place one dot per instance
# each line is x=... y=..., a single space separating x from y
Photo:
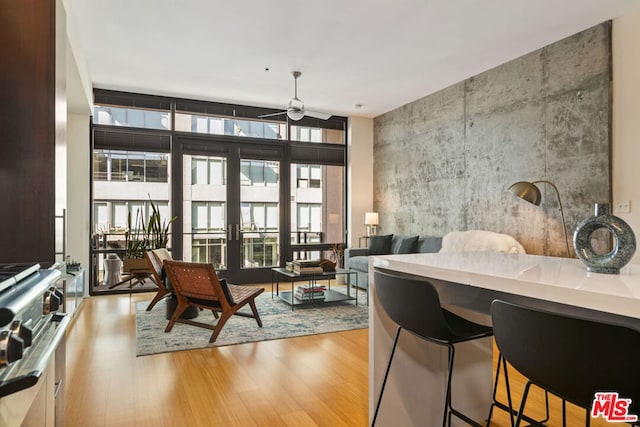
x=449 y=410
x=502 y=364
x=386 y=374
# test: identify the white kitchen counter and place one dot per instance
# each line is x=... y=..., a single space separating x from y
x=468 y=282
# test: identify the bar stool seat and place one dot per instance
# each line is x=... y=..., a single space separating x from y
x=570 y=357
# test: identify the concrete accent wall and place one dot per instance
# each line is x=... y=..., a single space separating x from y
x=445 y=161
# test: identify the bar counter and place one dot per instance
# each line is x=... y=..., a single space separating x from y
x=467 y=283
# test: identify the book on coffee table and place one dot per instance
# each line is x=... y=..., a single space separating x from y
x=306 y=266
x=310 y=297
x=310 y=292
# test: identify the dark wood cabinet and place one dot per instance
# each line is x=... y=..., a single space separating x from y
x=30 y=91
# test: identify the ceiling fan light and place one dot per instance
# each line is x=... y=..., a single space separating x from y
x=295 y=109
x=295 y=115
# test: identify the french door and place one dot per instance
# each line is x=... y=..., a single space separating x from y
x=232 y=213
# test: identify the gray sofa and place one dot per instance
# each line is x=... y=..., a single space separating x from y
x=357 y=259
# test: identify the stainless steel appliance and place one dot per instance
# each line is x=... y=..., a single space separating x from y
x=31 y=346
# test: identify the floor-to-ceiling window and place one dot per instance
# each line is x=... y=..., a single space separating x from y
x=225 y=173
x=317 y=214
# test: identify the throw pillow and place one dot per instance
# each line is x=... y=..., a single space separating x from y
x=406 y=245
x=226 y=291
x=165 y=279
x=380 y=245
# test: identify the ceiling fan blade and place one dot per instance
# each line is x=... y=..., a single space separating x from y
x=317 y=114
x=272 y=114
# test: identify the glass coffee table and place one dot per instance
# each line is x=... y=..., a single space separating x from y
x=312 y=279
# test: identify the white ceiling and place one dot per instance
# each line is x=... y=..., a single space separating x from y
x=381 y=54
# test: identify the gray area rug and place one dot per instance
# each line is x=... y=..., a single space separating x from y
x=277 y=318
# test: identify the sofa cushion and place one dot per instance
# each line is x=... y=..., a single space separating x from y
x=428 y=244
x=360 y=263
x=380 y=245
x=403 y=244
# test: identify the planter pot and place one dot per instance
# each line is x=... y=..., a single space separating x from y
x=130 y=265
x=172 y=302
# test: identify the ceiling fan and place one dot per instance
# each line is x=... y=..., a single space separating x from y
x=295 y=110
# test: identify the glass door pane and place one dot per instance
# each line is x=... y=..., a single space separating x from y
x=317 y=213
x=205 y=210
x=259 y=213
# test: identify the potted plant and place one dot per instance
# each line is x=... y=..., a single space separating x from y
x=338 y=254
x=337 y=250
x=142 y=236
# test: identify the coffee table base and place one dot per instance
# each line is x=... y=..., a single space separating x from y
x=329 y=294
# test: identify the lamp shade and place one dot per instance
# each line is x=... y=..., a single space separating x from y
x=526 y=191
x=371 y=218
x=531 y=193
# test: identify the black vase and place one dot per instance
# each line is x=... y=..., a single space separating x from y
x=624 y=242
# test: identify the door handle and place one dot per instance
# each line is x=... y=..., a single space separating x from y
x=229 y=232
x=238 y=232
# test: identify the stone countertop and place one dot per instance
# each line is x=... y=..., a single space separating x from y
x=560 y=280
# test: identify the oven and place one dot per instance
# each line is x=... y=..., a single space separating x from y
x=32 y=331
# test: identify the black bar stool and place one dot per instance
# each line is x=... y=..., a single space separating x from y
x=570 y=357
x=415 y=306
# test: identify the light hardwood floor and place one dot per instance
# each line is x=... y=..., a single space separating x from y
x=319 y=380
x=306 y=381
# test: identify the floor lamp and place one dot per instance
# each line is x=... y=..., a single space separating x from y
x=531 y=193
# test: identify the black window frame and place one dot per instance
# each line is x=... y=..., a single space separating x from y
x=164 y=141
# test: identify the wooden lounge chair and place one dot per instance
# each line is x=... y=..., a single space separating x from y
x=197 y=285
x=155 y=259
